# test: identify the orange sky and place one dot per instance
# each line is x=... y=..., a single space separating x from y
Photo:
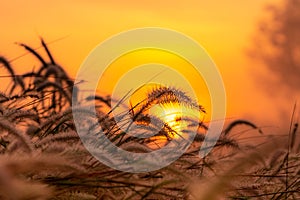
x=223 y=28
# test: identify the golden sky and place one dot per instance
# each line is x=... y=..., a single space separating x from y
x=223 y=28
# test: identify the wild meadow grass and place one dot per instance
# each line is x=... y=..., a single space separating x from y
x=42 y=156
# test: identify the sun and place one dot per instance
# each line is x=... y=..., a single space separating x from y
x=171 y=114
x=175 y=111
x=172 y=118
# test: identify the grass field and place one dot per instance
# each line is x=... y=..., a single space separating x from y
x=42 y=156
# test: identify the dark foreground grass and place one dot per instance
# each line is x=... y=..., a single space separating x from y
x=42 y=157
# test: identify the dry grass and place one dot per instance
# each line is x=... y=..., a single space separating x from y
x=42 y=157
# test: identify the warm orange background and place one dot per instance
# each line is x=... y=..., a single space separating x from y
x=223 y=28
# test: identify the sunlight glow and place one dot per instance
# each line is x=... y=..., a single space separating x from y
x=176 y=116
x=173 y=115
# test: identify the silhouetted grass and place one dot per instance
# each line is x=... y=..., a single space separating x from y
x=42 y=157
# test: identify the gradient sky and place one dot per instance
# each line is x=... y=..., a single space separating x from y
x=74 y=28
